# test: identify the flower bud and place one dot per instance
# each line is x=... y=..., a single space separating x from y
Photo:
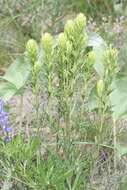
x=91 y=58
x=37 y=67
x=100 y=87
x=47 y=42
x=62 y=40
x=32 y=47
x=69 y=27
x=80 y=21
x=114 y=52
x=110 y=58
x=111 y=53
x=69 y=47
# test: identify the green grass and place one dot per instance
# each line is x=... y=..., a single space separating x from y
x=33 y=165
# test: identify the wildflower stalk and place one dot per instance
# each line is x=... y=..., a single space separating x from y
x=104 y=84
x=47 y=48
x=64 y=49
x=104 y=90
x=35 y=87
x=110 y=61
x=48 y=69
x=70 y=58
x=32 y=49
x=87 y=71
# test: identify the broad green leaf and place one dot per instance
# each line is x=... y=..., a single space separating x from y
x=121 y=150
x=7 y=185
x=99 y=46
x=96 y=40
x=17 y=73
x=7 y=90
x=93 y=101
x=118 y=97
x=118 y=7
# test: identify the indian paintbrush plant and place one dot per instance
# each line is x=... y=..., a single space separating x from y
x=70 y=60
x=48 y=58
x=47 y=47
x=70 y=63
x=104 y=89
x=35 y=68
x=111 y=64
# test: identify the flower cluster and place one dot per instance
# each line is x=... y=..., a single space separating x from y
x=4 y=118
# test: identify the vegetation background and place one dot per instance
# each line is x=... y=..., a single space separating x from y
x=21 y=164
x=21 y=20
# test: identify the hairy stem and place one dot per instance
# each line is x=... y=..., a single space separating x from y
x=21 y=112
x=115 y=145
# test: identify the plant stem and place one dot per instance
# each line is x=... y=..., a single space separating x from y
x=21 y=112
x=67 y=137
x=115 y=145
x=102 y=118
x=37 y=105
x=101 y=121
x=84 y=95
x=37 y=109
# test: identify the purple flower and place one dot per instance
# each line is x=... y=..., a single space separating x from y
x=7 y=139
x=8 y=129
x=4 y=118
x=1 y=105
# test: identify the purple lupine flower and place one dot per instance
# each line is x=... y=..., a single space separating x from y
x=1 y=105
x=4 y=118
x=7 y=139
